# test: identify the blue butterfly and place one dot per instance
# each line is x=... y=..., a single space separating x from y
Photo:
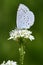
x=25 y=17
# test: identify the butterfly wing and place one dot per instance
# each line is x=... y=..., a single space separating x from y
x=25 y=18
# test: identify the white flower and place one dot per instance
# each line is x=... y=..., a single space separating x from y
x=14 y=34
x=9 y=63
x=31 y=37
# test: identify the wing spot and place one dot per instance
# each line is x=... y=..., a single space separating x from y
x=23 y=23
x=24 y=17
x=28 y=23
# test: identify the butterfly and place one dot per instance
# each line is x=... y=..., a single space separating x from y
x=25 y=17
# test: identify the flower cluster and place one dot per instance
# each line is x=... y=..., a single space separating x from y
x=14 y=34
x=9 y=63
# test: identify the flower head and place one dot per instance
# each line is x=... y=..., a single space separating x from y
x=9 y=63
x=14 y=34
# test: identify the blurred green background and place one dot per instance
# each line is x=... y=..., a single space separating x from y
x=9 y=49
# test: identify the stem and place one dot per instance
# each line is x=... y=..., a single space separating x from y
x=22 y=52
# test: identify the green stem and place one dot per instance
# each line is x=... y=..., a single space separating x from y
x=22 y=52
